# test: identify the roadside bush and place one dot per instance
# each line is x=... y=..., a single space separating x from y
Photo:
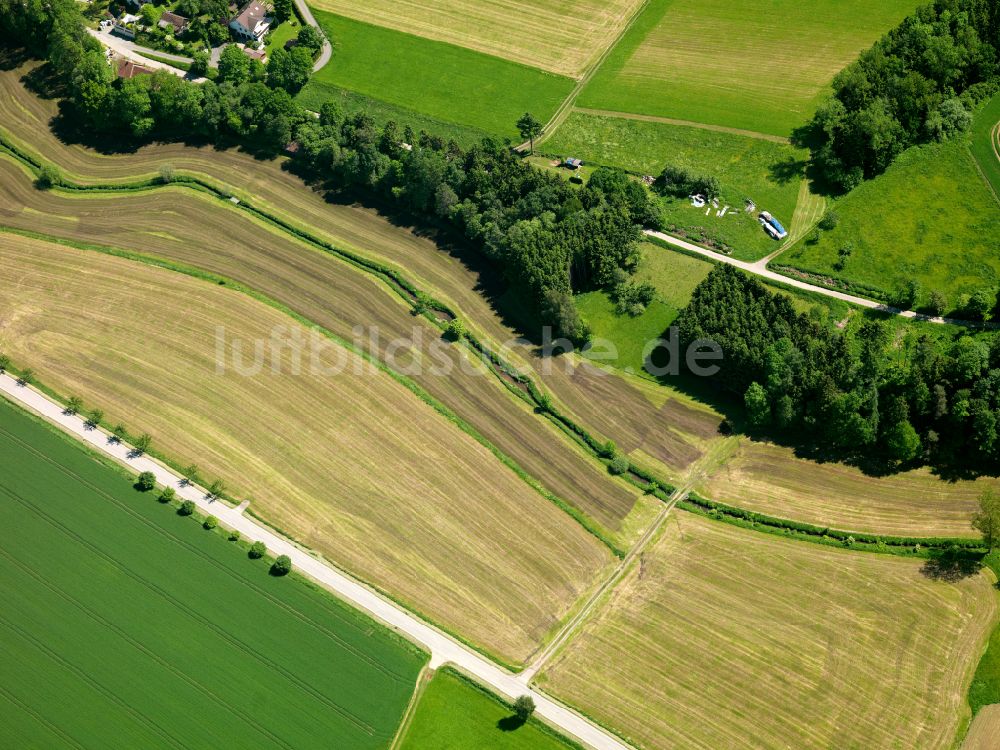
x=217 y=488
x=609 y=449
x=27 y=377
x=257 y=550
x=4 y=362
x=73 y=405
x=210 y=523
x=146 y=481
x=234 y=536
x=618 y=465
x=95 y=417
x=167 y=495
x=282 y=566
x=187 y=508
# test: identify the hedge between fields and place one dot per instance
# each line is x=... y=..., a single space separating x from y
x=522 y=386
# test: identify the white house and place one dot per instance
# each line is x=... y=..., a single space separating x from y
x=252 y=22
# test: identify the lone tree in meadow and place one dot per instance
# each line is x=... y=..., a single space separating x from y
x=529 y=128
x=987 y=519
x=524 y=707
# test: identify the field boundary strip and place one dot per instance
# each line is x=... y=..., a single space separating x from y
x=528 y=390
x=683 y=123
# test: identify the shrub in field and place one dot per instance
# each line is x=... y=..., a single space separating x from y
x=210 y=523
x=187 y=508
x=618 y=465
x=167 y=495
x=48 y=176
x=257 y=550
x=455 y=330
x=146 y=481
x=282 y=566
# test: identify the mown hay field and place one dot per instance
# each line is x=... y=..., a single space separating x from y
x=737 y=63
x=554 y=35
x=929 y=218
x=984 y=730
x=730 y=638
x=352 y=464
x=208 y=234
x=125 y=624
x=659 y=426
x=769 y=479
x=454 y=714
x=766 y=172
x=439 y=80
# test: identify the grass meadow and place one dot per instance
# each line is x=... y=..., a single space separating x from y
x=737 y=63
x=128 y=625
x=554 y=35
x=768 y=173
x=354 y=465
x=986 y=142
x=930 y=217
x=434 y=79
x=456 y=714
x=731 y=638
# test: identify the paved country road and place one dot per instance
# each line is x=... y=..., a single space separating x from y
x=759 y=268
x=443 y=648
x=307 y=17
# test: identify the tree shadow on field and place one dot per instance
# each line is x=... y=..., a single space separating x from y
x=787 y=170
x=510 y=723
x=953 y=565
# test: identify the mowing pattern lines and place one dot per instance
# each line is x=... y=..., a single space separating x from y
x=561 y=36
x=410 y=503
x=735 y=63
x=730 y=638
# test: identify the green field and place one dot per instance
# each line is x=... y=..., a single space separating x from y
x=986 y=141
x=455 y=714
x=435 y=79
x=130 y=626
x=930 y=217
x=769 y=173
x=737 y=63
x=674 y=275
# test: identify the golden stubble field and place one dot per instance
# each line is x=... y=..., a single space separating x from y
x=658 y=426
x=555 y=35
x=720 y=637
x=355 y=466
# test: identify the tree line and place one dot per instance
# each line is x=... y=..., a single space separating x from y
x=858 y=394
x=919 y=83
x=549 y=238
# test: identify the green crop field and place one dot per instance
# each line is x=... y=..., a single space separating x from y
x=737 y=63
x=438 y=80
x=767 y=172
x=986 y=141
x=455 y=714
x=128 y=625
x=930 y=217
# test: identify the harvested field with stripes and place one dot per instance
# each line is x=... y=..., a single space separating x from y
x=187 y=229
x=660 y=428
x=730 y=638
x=737 y=63
x=769 y=479
x=553 y=35
x=354 y=465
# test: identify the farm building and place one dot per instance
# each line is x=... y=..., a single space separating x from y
x=572 y=163
x=255 y=54
x=252 y=22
